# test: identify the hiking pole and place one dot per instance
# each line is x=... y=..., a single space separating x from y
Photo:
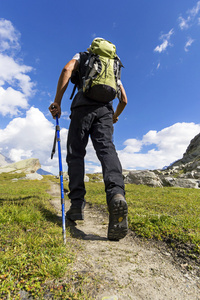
x=57 y=138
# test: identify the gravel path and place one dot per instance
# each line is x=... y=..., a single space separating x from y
x=128 y=269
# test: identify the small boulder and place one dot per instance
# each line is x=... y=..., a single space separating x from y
x=145 y=177
x=33 y=176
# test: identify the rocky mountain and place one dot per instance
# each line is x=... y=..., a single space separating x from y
x=185 y=172
x=192 y=153
x=4 y=160
x=27 y=166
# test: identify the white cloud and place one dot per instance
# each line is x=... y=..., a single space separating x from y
x=166 y=41
x=91 y=155
x=185 y=23
x=13 y=74
x=162 y=47
x=189 y=42
x=10 y=100
x=195 y=10
x=158 y=66
x=132 y=146
x=167 y=146
x=192 y=18
x=33 y=136
x=19 y=154
x=65 y=114
x=9 y=36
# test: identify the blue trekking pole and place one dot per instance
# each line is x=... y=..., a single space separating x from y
x=57 y=138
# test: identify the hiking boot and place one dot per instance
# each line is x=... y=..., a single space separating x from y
x=118 y=223
x=75 y=213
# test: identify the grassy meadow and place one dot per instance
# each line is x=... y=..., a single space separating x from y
x=168 y=214
x=33 y=259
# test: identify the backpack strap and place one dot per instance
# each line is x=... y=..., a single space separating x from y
x=117 y=71
x=90 y=72
x=76 y=77
x=89 y=64
x=73 y=91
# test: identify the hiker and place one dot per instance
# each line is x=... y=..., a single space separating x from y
x=92 y=115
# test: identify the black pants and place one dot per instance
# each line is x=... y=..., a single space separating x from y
x=97 y=123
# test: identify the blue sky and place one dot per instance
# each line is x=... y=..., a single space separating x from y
x=159 y=45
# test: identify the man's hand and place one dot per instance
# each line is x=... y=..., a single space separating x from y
x=115 y=119
x=55 y=109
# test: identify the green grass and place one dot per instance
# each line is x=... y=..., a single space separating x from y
x=33 y=257
x=168 y=214
x=165 y=213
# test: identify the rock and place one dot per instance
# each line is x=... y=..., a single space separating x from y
x=192 y=152
x=184 y=172
x=167 y=180
x=65 y=176
x=33 y=176
x=15 y=179
x=4 y=160
x=27 y=166
x=86 y=178
x=143 y=177
x=186 y=183
x=7 y=169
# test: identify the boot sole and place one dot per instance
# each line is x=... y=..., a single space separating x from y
x=118 y=223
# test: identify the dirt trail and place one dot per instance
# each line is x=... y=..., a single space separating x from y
x=128 y=269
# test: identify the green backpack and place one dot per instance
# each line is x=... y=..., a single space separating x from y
x=101 y=80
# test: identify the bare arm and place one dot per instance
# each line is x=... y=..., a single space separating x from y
x=121 y=105
x=63 y=82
